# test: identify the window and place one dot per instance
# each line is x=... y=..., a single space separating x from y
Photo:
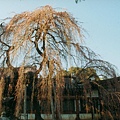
x=68 y=106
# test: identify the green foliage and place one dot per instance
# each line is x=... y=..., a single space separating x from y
x=78 y=1
x=83 y=73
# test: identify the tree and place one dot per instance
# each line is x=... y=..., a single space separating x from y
x=82 y=74
x=46 y=40
x=78 y=1
x=40 y=38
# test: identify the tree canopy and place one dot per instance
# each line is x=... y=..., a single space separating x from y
x=81 y=74
x=41 y=38
x=78 y=1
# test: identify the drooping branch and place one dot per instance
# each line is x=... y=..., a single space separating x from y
x=37 y=48
x=9 y=48
x=8 y=57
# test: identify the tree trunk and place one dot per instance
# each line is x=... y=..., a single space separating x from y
x=52 y=108
x=77 y=109
x=37 y=110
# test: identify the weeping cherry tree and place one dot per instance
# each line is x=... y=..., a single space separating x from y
x=49 y=41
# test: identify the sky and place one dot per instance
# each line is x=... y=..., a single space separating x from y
x=99 y=18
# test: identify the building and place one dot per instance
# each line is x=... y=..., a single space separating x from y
x=79 y=101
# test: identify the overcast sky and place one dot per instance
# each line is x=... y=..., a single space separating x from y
x=100 y=18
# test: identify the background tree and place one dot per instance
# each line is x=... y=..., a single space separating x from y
x=78 y=1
